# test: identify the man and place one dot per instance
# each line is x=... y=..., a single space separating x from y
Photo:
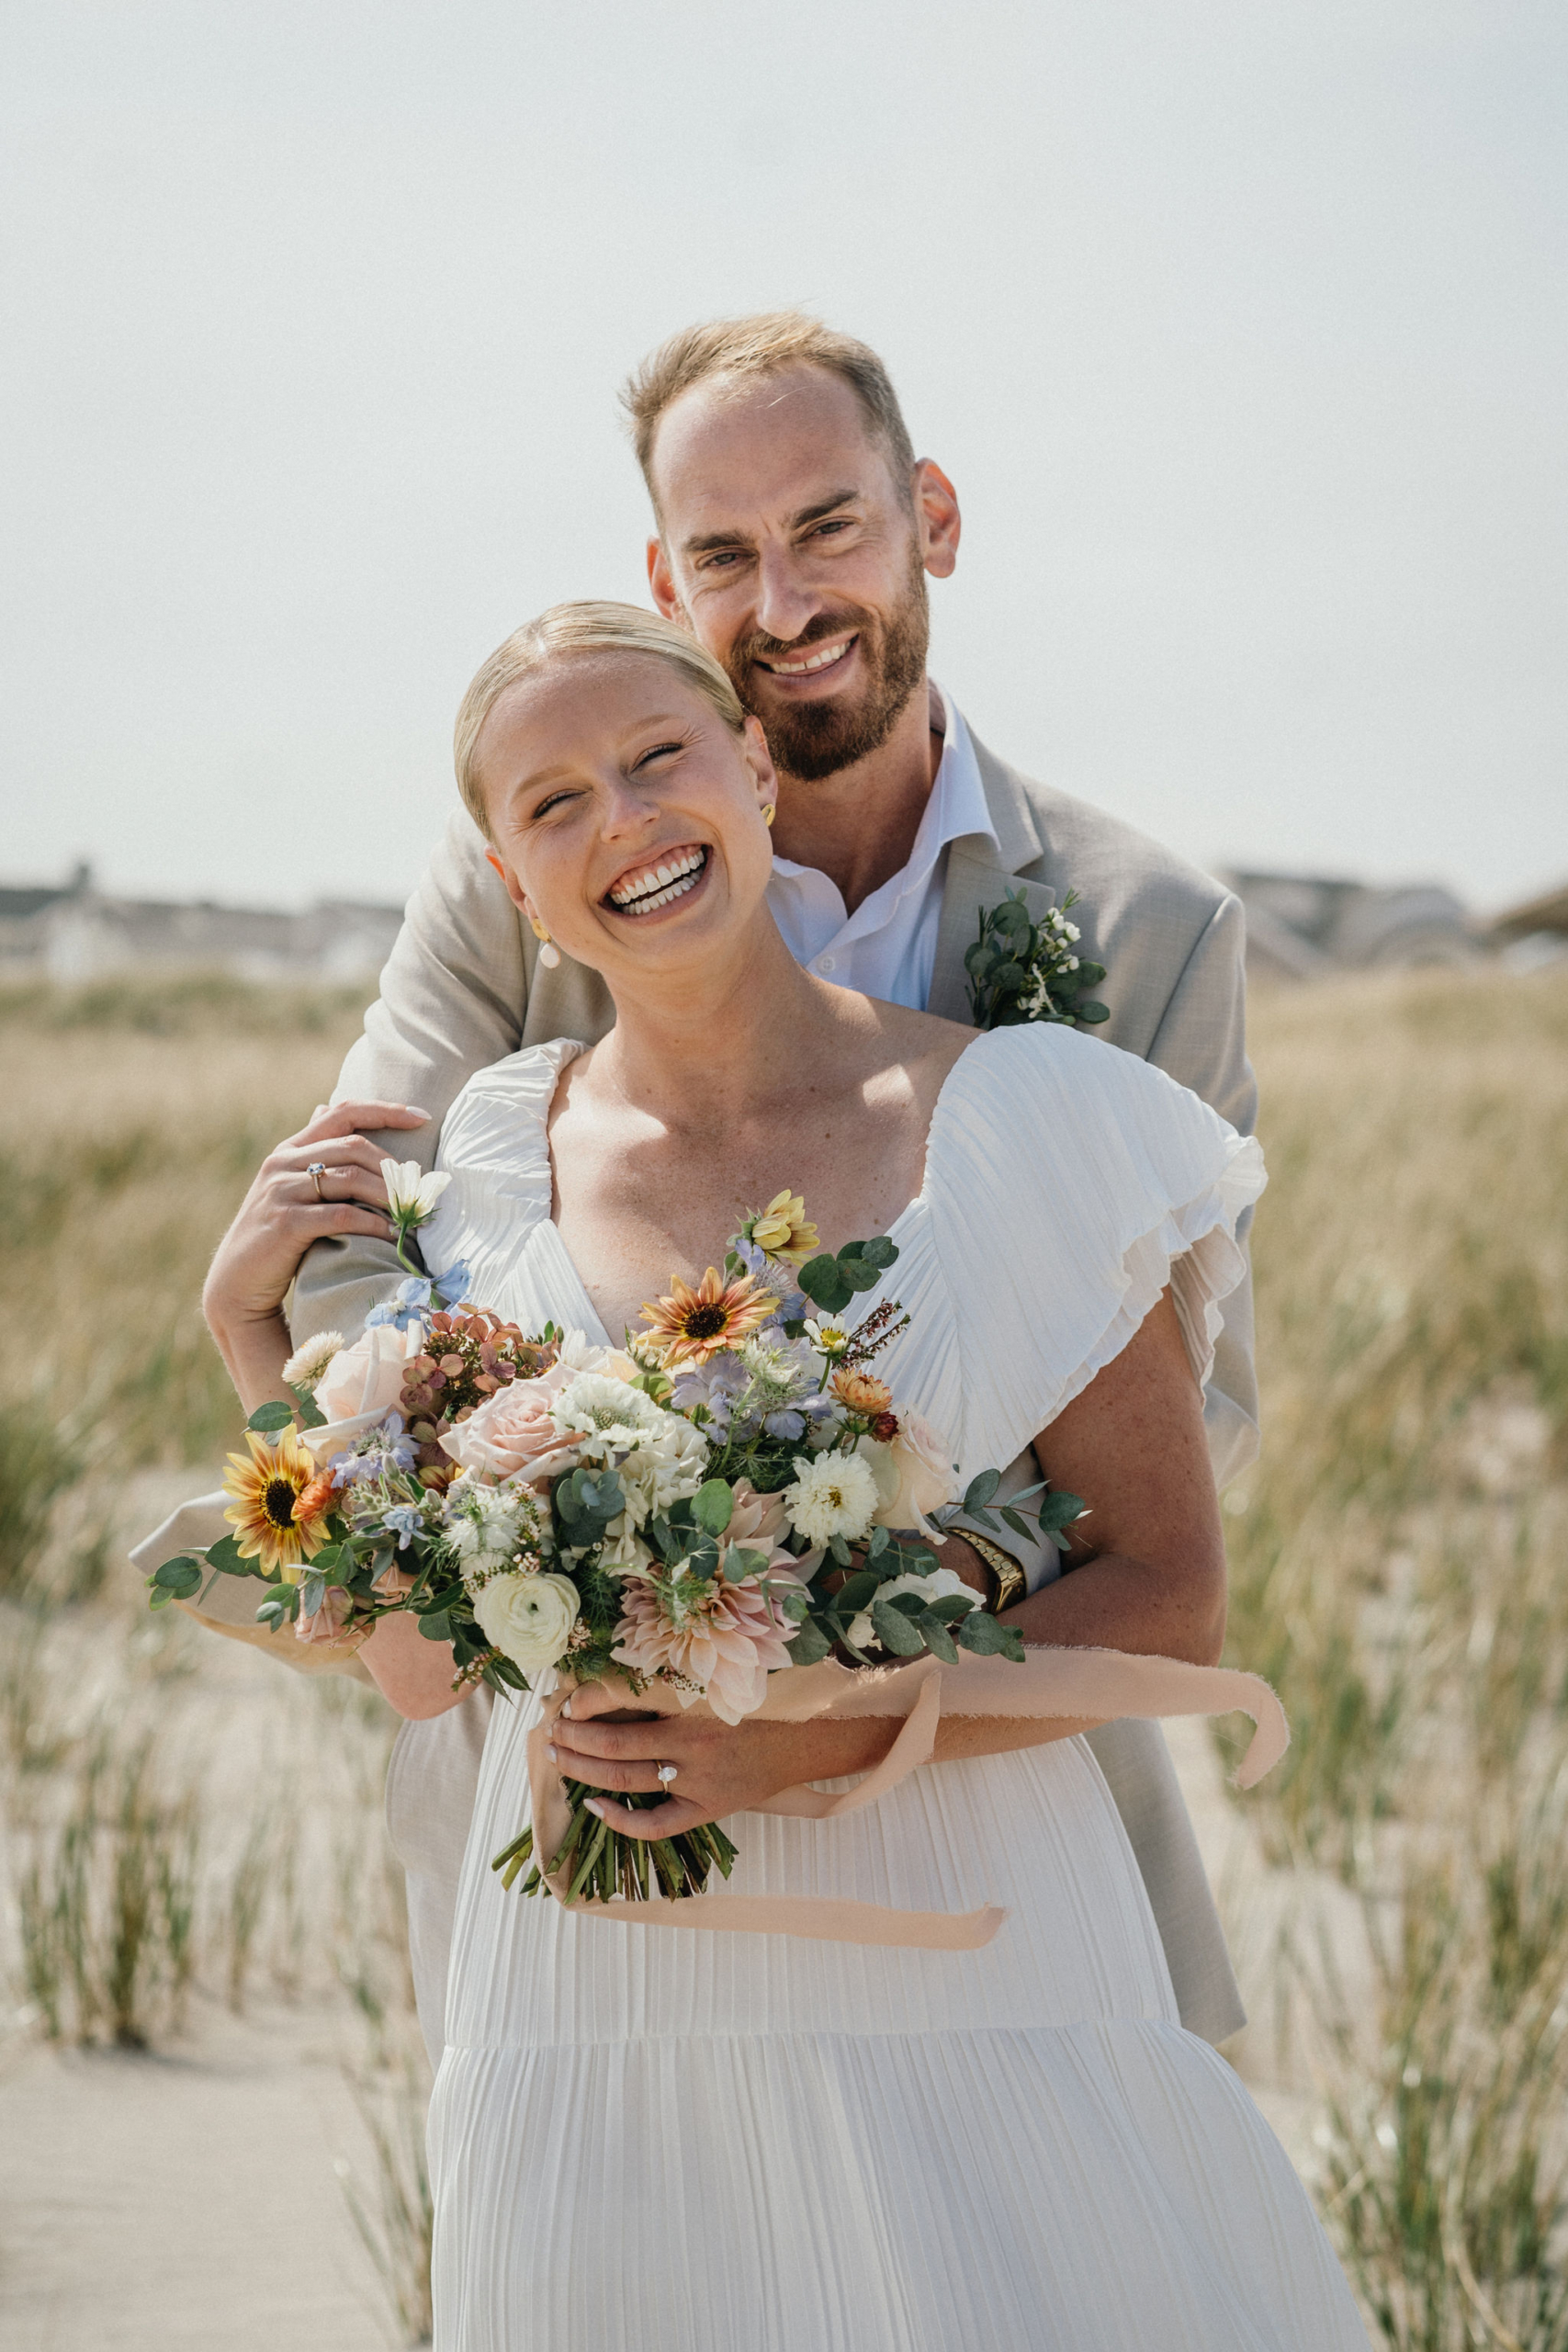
x=795 y=533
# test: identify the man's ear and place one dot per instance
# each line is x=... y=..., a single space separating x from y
x=661 y=581
x=937 y=518
x=513 y=887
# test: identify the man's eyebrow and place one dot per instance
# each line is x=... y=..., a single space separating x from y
x=704 y=542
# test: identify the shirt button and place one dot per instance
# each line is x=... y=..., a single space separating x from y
x=824 y=963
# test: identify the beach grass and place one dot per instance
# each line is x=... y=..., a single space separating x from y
x=1398 y=1561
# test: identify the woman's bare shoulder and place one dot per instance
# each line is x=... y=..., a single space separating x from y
x=920 y=1041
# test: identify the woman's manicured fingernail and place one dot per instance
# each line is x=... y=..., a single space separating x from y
x=597 y=1808
x=415 y=1112
x=551 y=1754
x=565 y=1707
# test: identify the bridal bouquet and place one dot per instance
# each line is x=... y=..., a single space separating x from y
x=713 y=1503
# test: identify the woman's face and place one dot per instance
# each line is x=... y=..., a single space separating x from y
x=623 y=813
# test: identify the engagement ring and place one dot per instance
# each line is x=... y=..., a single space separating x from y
x=666 y=1773
x=315 y=1171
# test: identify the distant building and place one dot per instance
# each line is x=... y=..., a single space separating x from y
x=1540 y=919
x=74 y=932
x=1303 y=927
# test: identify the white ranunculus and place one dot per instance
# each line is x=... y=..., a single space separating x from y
x=411 y=1191
x=942 y=1584
x=834 y=1495
x=527 y=1618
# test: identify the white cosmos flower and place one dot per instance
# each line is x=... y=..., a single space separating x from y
x=411 y=1191
x=835 y=1495
x=828 y=1338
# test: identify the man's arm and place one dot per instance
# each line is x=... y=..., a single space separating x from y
x=1202 y=1042
x=453 y=997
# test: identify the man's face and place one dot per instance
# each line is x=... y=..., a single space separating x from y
x=791 y=550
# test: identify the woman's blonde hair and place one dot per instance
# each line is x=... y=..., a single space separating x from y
x=584 y=627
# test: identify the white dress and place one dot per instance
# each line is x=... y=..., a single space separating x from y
x=644 y=2140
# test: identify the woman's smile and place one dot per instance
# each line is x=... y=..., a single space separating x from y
x=659 y=881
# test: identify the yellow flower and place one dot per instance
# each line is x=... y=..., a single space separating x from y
x=688 y=1326
x=782 y=1232
x=280 y=1503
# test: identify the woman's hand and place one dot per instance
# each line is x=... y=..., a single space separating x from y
x=719 y=1769
x=285 y=1211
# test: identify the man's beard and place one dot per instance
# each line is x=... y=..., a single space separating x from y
x=813 y=740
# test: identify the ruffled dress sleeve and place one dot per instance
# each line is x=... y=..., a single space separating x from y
x=1067 y=1185
x=495 y=1147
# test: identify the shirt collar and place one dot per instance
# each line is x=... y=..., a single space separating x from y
x=955 y=810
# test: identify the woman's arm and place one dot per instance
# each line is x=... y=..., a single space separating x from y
x=278 y=1219
x=1149 y=1578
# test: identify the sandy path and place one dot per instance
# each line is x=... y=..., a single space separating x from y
x=186 y=2201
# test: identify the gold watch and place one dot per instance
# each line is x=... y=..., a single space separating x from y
x=1007 y=1580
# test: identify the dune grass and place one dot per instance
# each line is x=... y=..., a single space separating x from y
x=1398 y=1563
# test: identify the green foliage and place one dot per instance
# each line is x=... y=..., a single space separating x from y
x=831 y=1282
x=1021 y=971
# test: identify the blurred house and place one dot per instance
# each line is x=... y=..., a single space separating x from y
x=1536 y=930
x=1304 y=927
x=73 y=932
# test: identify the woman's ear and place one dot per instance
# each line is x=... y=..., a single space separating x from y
x=513 y=887
x=760 y=761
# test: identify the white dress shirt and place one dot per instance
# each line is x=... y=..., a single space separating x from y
x=887 y=947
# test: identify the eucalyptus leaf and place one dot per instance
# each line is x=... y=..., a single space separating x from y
x=880 y=1251
x=268 y=1418
x=894 y=1630
x=435 y=1625
x=980 y=1490
x=713 y=1505
x=938 y=1640
x=810 y=1645
x=1060 y=1511
x=1093 y=1014
x=178 y=1578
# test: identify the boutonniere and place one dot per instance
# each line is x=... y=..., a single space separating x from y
x=1022 y=970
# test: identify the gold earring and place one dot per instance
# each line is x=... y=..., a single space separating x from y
x=549 y=953
x=770 y=810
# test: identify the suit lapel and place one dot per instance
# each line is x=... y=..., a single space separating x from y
x=980 y=877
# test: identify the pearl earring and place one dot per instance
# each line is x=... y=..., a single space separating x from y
x=549 y=953
x=770 y=809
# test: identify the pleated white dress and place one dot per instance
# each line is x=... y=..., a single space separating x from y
x=649 y=2140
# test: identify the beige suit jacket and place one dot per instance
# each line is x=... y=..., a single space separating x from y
x=464 y=988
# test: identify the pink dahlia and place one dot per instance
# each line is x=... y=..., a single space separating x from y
x=727 y=1643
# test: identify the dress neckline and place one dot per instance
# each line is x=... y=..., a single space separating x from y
x=593 y=1322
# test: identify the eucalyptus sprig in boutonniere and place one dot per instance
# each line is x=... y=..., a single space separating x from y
x=1022 y=970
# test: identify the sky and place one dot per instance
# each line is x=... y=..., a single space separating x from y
x=1241 y=329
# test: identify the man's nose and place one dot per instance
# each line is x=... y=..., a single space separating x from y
x=785 y=599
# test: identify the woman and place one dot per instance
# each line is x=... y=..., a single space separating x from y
x=704 y=2140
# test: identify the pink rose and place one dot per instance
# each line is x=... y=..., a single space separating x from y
x=914 y=1473
x=368 y=1376
x=512 y=1435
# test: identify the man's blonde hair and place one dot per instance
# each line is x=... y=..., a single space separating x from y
x=585 y=628
x=746 y=349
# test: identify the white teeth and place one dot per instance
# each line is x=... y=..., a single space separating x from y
x=814 y=661
x=657 y=885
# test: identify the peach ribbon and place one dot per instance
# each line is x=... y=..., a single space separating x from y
x=1059 y=1688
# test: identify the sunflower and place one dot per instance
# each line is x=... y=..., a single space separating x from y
x=689 y=1326
x=281 y=1503
x=782 y=1230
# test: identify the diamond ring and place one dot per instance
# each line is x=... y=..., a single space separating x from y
x=315 y=1171
x=666 y=1773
